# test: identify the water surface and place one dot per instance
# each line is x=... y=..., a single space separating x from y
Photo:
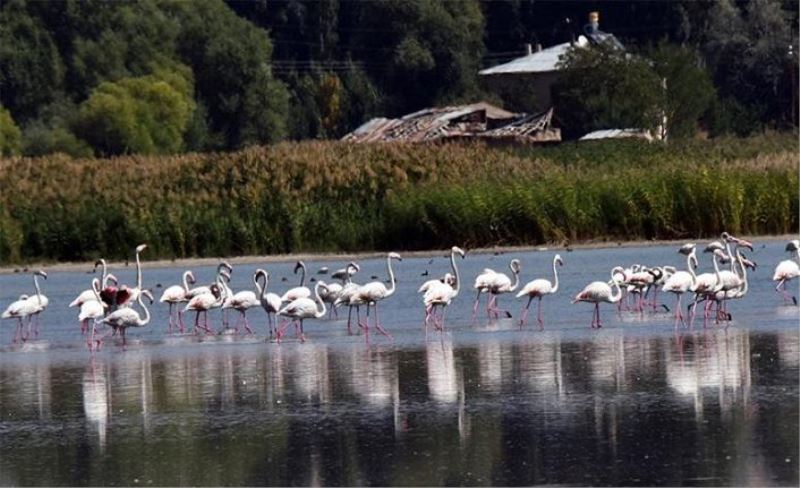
x=638 y=402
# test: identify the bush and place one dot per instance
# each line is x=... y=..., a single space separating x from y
x=10 y=135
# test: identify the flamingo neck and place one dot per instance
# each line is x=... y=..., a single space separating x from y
x=104 y=277
x=259 y=289
x=744 y=273
x=730 y=255
x=391 y=276
x=303 y=274
x=455 y=272
x=186 y=281
x=718 y=284
x=555 y=277
x=689 y=266
x=138 y=272
x=318 y=302
x=96 y=290
x=516 y=279
x=146 y=311
x=36 y=286
x=797 y=256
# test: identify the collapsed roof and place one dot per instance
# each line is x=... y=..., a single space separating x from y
x=476 y=121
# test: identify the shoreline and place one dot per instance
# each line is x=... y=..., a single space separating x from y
x=282 y=258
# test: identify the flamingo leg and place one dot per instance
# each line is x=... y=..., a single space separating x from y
x=539 y=317
x=378 y=324
x=477 y=302
x=349 y=318
x=246 y=323
x=441 y=318
x=170 y=318
x=523 y=314
x=597 y=307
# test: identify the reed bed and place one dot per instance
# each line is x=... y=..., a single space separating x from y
x=331 y=196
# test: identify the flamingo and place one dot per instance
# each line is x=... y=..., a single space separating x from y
x=787 y=270
x=243 y=301
x=730 y=278
x=84 y=297
x=331 y=293
x=441 y=293
x=741 y=291
x=303 y=308
x=126 y=295
x=599 y=291
x=301 y=291
x=176 y=294
x=124 y=318
x=538 y=289
x=500 y=284
x=641 y=282
x=270 y=302
x=375 y=291
x=198 y=290
x=346 y=296
x=92 y=310
x=20 y=309
x=37 y=303
x=203 y=303
x=682 y=281
x=482 y=284
x=705 y=285
x=447 y=279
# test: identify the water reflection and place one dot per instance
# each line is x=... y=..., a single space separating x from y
x=716 y=405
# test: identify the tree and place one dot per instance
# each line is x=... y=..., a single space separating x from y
x=689 y=91
x=230 y=58
x=602 y=87
x=148 y=114
x=10 y=136
x=31 y=71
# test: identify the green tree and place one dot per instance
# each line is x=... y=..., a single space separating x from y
x=148 y=114
x=689 y=91
x=602 y=87
x=10 y=135
x=31 y=71
x=230 y=58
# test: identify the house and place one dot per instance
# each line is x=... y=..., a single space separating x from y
x=526 y=82
x=481 y=121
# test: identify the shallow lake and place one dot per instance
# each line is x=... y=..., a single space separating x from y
x=638 y=402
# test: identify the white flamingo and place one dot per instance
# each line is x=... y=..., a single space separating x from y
x=788 y=270
x=270 y=302
x=482 y=284
x=302 y=308
x=331 y=292
x=204 y=302
x=706 y=285
x=500 y=284
x=741 y=291
x=92 y=310
x=600 y=291
x=24 y=308
x=126 y=317
x=301 y=291
x=243 y=301
x=176 y=294
x=375 y=291
x=441 y=293
x=199 y=290
x=37 y=304
x=126 y=295
x=682 y=281
x=538 y=289
x=346 y=298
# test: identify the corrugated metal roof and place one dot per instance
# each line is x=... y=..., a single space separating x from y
x=539 y=62
x=617 y=134
x=461 y=121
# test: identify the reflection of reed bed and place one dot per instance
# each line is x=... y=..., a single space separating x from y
x=316 y=196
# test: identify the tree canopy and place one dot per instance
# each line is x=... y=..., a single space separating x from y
x=267 y=70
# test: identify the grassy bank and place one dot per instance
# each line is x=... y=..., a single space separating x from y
x=328 y=196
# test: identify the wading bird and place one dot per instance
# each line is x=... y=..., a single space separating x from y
x=500 y=284
x=301 y=291
x=788 y=270
x=441 y=293
x=270 y=302
x=375 y=291
x=300 y=309
x=537 y=289
x=176 y=294
x=682 y=281
x=124 y=318
x=600 y=291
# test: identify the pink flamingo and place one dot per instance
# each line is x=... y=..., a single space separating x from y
x=176 y=294
x=537 y=289
x=788 y=270
x=600 y=291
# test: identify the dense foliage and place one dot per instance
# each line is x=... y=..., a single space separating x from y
x=330 y=196
x=266 y=70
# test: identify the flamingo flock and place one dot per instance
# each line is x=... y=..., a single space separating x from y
x=110 y=308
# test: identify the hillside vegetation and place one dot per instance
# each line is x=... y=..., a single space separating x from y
x=332 y=196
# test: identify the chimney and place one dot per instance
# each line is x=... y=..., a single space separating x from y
x=528 y=49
